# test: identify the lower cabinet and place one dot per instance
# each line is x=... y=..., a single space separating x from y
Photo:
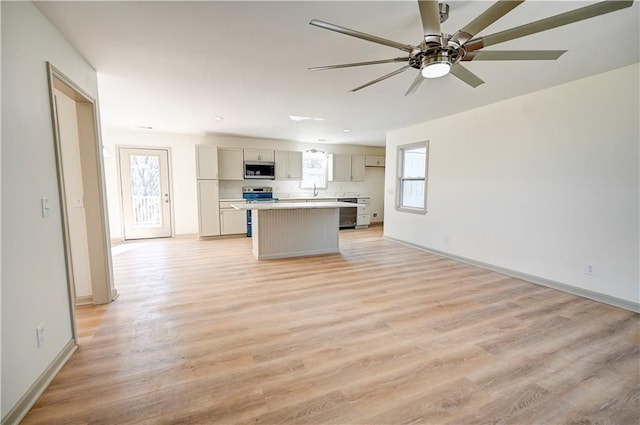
x=208 y=206
x=232 y=221
x=363 y=219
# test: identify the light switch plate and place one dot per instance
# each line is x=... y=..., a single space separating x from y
x=46 y=209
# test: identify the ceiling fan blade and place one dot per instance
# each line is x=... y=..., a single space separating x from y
x=348 y=65
x=414 y=86
x=430 y=15
x=465 y=75
x=572 y=16
x=384 y=77
x=362 y=35
x=488 y=17
x=513 y=55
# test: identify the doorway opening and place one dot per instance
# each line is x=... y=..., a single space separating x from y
x=82 y=194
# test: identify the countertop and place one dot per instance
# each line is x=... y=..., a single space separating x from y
x=292 y=205
x=288 y=198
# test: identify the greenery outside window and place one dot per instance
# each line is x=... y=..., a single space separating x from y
x=314 y=170
x=412 y=177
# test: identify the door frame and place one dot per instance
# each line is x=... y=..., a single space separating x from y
x=121 y=195
x=95 y=203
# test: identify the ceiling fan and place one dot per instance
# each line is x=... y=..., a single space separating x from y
x=439 y=54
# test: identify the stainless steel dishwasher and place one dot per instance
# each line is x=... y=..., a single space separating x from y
x=348 y=215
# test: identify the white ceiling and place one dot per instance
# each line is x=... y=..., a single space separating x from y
x=175 y=65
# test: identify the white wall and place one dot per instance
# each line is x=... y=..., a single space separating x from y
x=34 y=278
x=183 y=172
x=539 y=184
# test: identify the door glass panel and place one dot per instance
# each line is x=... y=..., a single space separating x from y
x=145 y=190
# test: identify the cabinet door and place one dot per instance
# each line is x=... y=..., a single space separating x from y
x=357 y=168
x=259 y=155
x=206 y=162
x=208 y=208
x=282 y=165
x=266 y=155
x=295 y=165
x=233 y=222
x=288 y=165
x=363 y=220
x=374 y=161
x=230 y=164
x=339 y=167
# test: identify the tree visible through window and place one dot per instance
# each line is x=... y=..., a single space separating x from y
x=314 y=170
x=412 y=177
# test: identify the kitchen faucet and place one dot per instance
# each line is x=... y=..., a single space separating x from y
x=315 y=191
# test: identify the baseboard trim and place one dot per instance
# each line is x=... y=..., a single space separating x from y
x=585 y=293
x=26 y=402
x=84 y=300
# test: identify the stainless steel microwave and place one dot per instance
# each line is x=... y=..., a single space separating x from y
x=260 y=170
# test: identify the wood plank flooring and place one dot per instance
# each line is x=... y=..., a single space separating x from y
x=202 y=333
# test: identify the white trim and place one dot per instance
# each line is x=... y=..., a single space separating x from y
x=585 y=293
x=400 y=172
x=84 y=300
x=31 y=396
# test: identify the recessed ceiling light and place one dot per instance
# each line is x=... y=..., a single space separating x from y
x=346 y=130
x=323 y=140
x=218 y=118
x=299 y=118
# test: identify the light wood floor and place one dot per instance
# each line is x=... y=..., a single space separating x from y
x=382 y=334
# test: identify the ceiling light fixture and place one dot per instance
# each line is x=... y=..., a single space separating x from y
x=144 y=127
x=436 y=66
x=218 y=118
x=346 y=130
x=299 y=118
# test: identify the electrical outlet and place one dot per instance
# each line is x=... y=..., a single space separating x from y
x=445 y=238
x=375 y=215
x=589 y=269
x=40 y=334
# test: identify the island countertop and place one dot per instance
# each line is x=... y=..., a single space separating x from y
x=292 y=205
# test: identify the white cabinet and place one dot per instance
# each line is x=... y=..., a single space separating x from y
x=374 y=161
x=259 y=155
x=288 y=165
x=357 y=168
x=339 y=167
x=346 y=168
x=363 y=219
x=208 y=208
x=232 y=221
x=230 y=164
x=206 y=162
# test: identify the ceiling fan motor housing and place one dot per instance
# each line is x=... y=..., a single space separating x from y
x=428 y=52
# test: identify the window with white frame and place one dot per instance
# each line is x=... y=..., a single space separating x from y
x=314 y=170
x=412 y=177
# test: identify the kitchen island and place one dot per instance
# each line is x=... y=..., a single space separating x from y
x=294 y=229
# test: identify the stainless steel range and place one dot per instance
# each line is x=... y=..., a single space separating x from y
x=256 y=194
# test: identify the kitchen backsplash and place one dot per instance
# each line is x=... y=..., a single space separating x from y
x=232 y=189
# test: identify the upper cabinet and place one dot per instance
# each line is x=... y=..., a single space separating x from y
x=259 y=155
x=357 y=168
x=230 y=163
x=288 y=165
x=374 y=161
x=346 y=168
x=206 y=162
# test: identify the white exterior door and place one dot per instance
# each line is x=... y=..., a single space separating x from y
x=146 y=200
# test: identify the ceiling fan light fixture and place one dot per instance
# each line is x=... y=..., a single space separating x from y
x=436 y=66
